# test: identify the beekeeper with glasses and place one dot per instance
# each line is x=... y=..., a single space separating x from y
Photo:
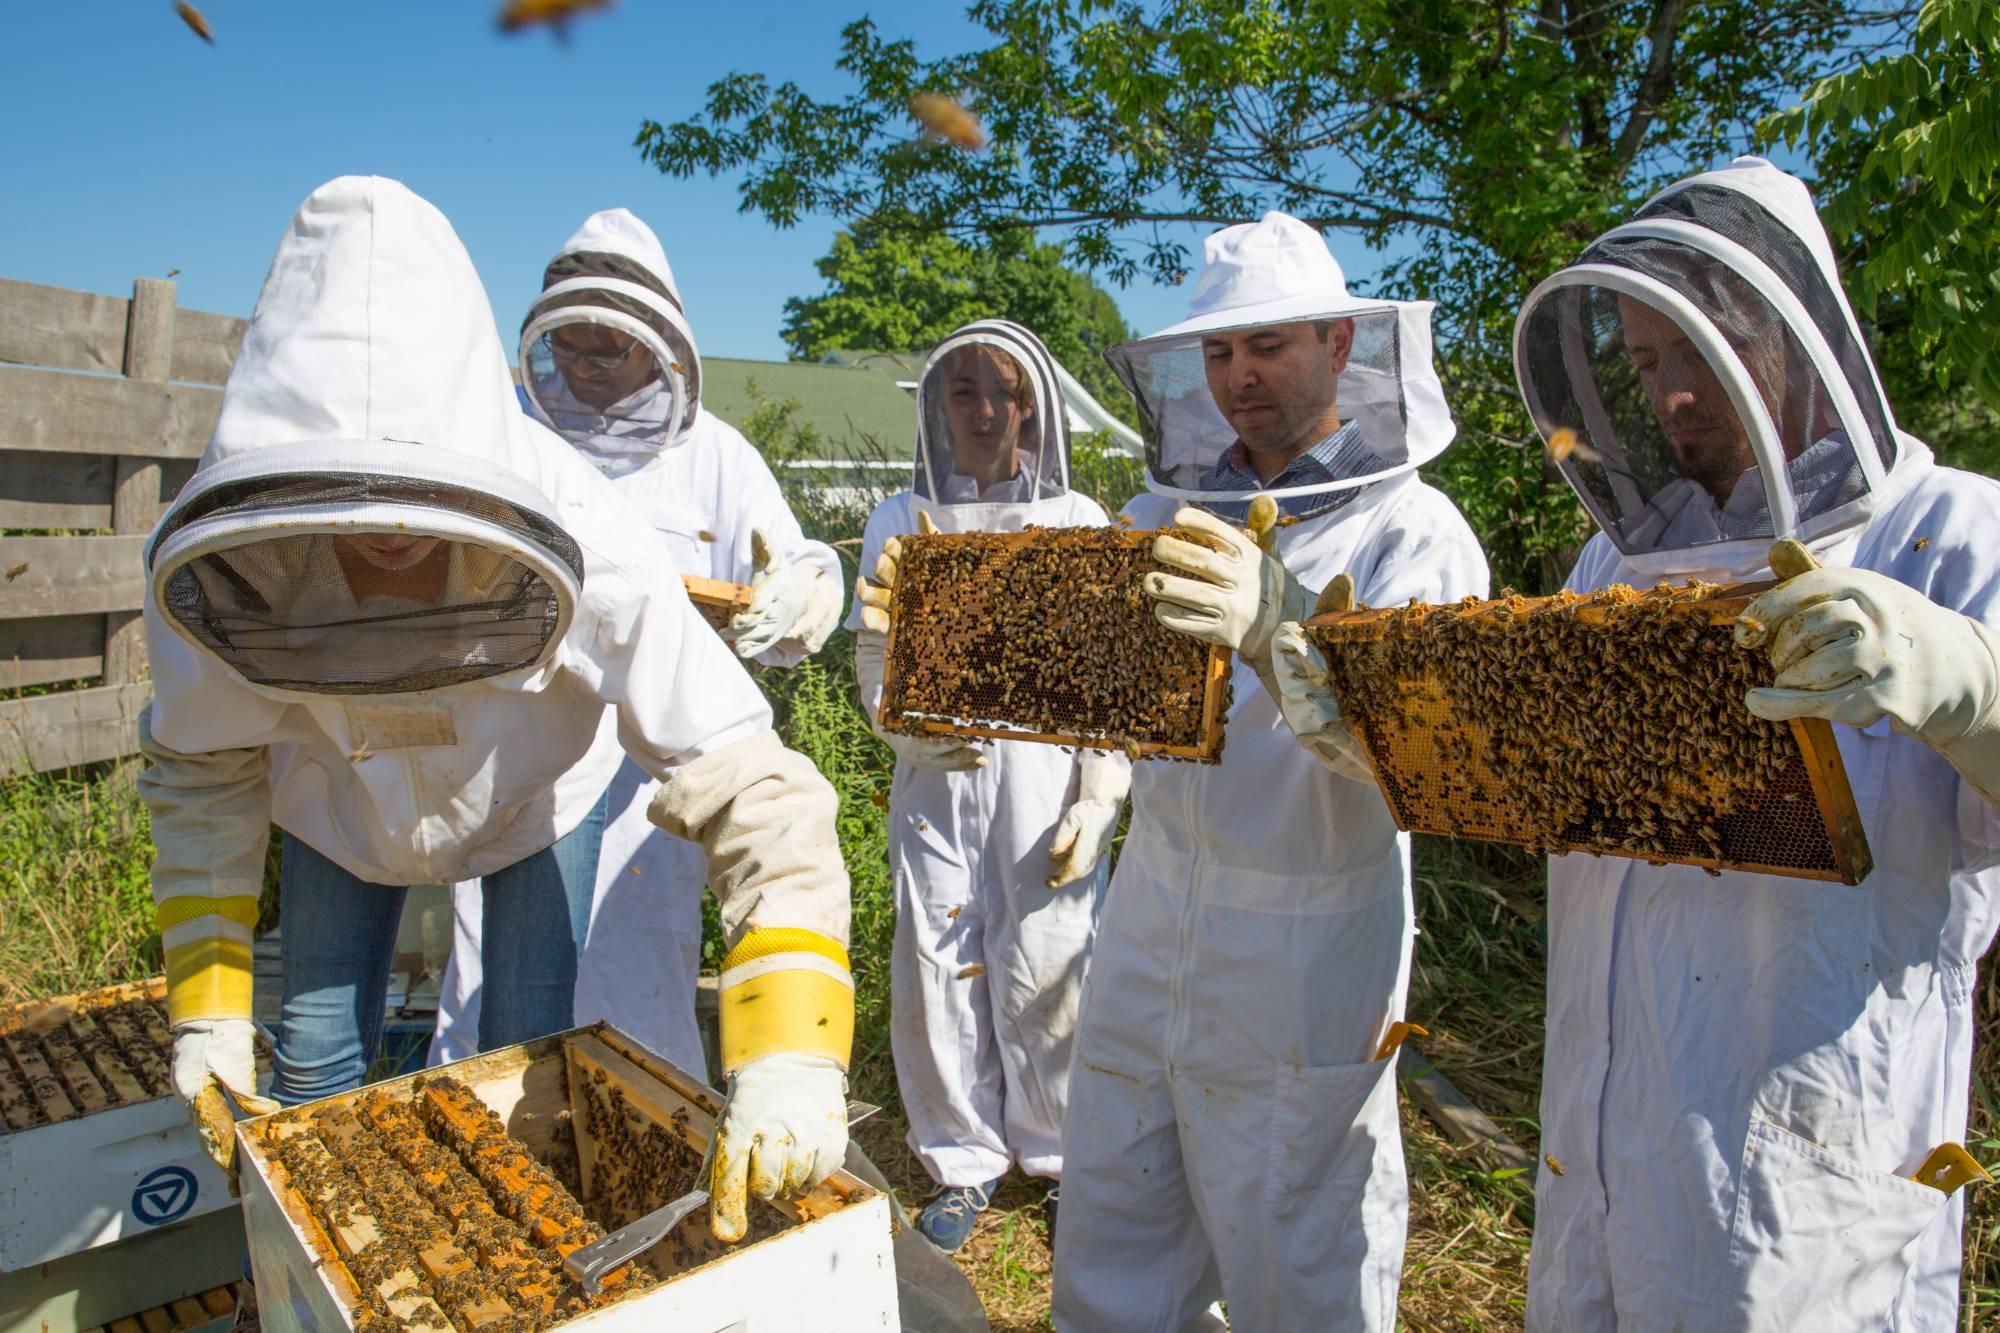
x=996 y=849
x=1233 y=1130
x=1749 y=1078
x=391 y=614
x=609 y=362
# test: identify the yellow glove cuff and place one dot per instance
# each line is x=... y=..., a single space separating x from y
x=786 y=990
x=208 y=978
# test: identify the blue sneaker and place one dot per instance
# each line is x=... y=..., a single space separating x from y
x=948 y=1219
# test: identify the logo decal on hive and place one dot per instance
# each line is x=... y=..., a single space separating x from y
x=164 y=1195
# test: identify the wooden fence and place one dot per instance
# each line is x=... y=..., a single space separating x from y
x=105 y=404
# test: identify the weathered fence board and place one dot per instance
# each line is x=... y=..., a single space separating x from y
x=75 y=727
x=53 y=411
x=50 y=576
x=65 y=330
x=72 y=491
x=46 y=650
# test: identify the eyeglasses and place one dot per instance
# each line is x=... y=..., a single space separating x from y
x=595 y=360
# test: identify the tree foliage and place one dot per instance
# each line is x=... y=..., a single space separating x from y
x=1480 y=145
x=902 y=290
x=1910 y=154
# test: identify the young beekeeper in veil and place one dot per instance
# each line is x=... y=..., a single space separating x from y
x=388 y=613
x=996 y=849
x=1744 y=1073
x=609 y=362
x=1233 y=1129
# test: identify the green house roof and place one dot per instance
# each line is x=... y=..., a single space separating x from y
x=847 y=405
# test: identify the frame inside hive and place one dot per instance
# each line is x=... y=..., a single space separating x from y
x=1046 y=635
x=79 y=1054
x=1569 y=723
x=716 y=599
x=585 y=1120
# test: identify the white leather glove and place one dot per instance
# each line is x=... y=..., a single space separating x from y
x=1239 y=595
x=1083 y=834
x=1306 y=699
x=787 y=601
x=222 y=1052
x=782 y=1131
x=1854 y=646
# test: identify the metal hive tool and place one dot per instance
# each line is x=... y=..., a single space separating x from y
x=1611 y=724
x=1046 y=635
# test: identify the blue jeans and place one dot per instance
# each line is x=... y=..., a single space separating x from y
x=338 y=939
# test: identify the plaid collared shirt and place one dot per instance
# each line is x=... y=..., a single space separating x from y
x=1338 y=457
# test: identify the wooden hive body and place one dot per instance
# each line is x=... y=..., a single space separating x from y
x=1045 y=635
x=1570 y=724
x=94 y=1147
x=822 y=1262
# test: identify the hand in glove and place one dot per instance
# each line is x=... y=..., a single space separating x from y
x=1854 y=646
x=1240 y=592
x=875 y=596
x=213 y=1056
x=1306 y=700
x=1084 y=832
x=787 y=601
x=782 y=1131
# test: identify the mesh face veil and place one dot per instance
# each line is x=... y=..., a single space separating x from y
x=1701 y=381
x=1281 y=382
x=992 y=426
x=306 y=570
x=611 y=364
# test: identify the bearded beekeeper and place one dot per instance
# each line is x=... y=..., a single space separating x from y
x=1745 y=1073
x=1233 y=1130
x=997 y=849
x=389 y=613
x=610 y=363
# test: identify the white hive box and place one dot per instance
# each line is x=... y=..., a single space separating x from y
x=826 y=1265
x=88 y=1155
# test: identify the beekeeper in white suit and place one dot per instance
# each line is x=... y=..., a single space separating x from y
x=1232 y=1129
x=610 y=363
x=996 y=849
x=388 y=613
x=1745 y=1073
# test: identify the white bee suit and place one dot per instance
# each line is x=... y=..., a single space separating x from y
x=703 y=488
x=1744 y=1071
x=1232 y=1134
x=988 y=962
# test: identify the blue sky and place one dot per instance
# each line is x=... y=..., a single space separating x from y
x=131 y=148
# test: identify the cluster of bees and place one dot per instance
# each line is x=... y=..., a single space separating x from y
x=1048 y=633
x=442 y=1219
x=61 y=1064
x=1608 y=722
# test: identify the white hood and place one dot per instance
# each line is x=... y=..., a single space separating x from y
x=1734 y=267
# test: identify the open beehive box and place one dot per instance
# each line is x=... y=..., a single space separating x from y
x=717 y=600
x=1612 y=723
x=1046 y=635
x=447 y=1200
x=94 y=1147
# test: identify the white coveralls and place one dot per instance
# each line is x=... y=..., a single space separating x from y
x=704 y=488
x=1744 y=1071
x=1231 y=1132
x=983 y=1058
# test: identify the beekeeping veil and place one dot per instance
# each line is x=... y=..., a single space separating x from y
x=1278 y=274
x=610 y=288
x=364 y=519
x=1702 y=381
x=992 y=429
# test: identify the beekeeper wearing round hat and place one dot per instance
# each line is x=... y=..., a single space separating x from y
x=1746 y=1075
x=1233 y=1130
x=996 y=849
x=609 y=362
x=389 y=613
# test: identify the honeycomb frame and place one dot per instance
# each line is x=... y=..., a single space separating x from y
x=1744 y=794
x=74 y=1055
x=716 y=600
x=1182 y=717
